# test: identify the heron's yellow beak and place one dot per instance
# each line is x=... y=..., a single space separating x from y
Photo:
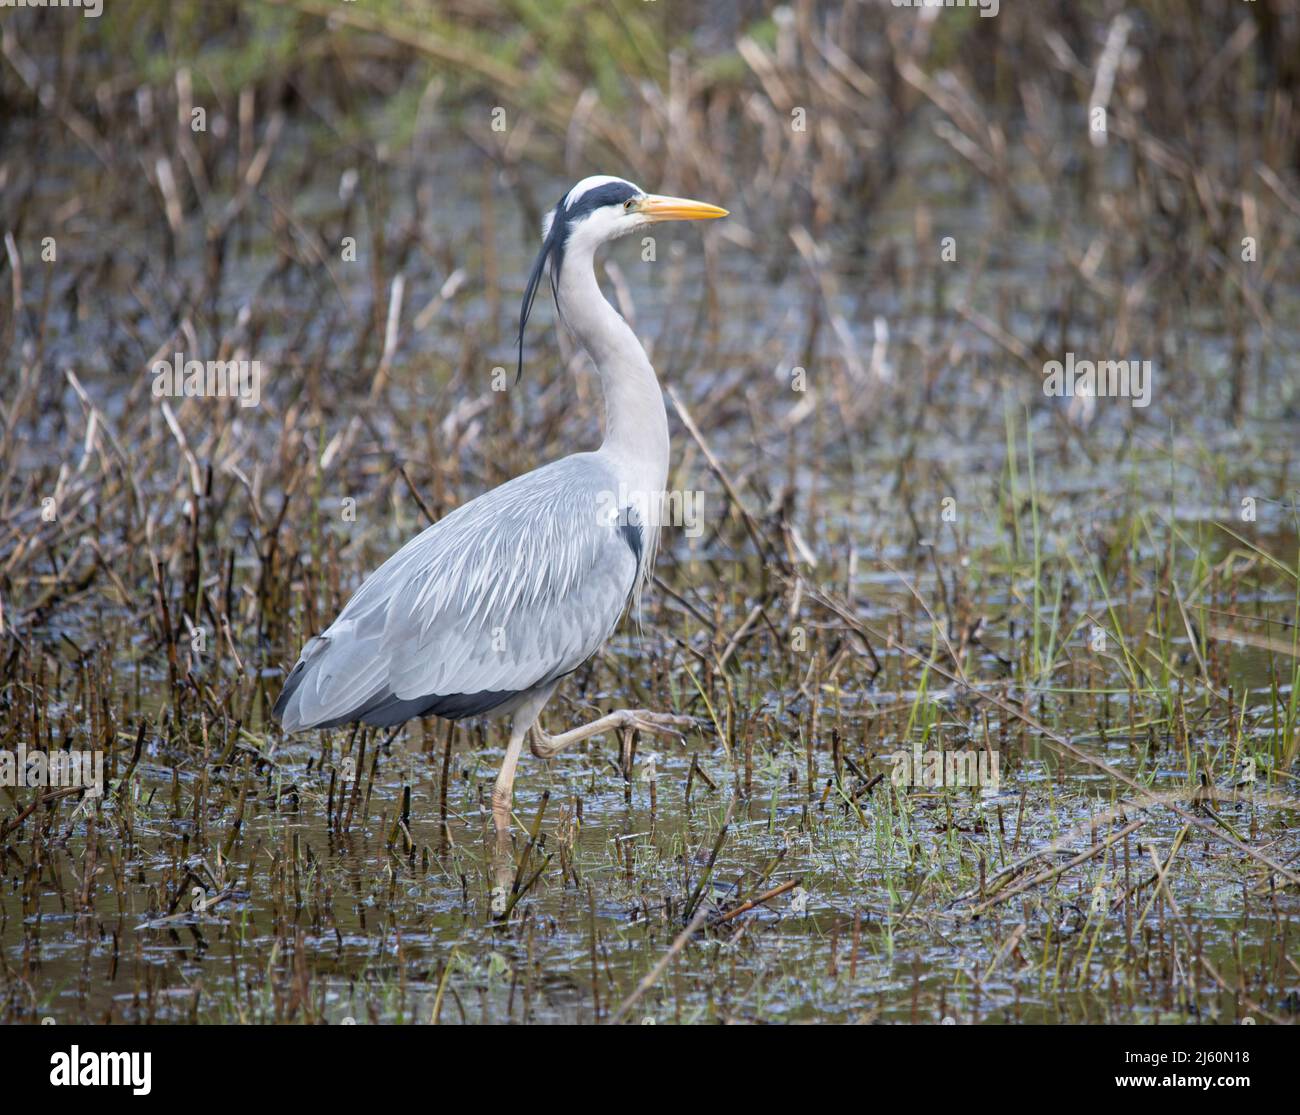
x=678 y=209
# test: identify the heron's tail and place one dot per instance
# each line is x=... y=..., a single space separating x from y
x=287 y=708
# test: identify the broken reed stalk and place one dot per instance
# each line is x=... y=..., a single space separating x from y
x=652 y=976
x=749 y=904
x=713 y=856
x=1048 y=876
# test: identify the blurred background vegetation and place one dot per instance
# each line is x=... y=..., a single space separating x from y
x=641 y=83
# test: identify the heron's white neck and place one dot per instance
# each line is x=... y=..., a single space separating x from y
x=636 y=423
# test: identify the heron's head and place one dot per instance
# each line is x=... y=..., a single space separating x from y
x=596 y=210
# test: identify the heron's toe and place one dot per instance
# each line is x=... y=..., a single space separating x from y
x=659 y=723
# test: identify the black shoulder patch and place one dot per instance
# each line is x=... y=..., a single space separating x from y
x=630 y=529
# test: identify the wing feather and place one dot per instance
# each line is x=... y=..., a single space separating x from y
x=508 y=592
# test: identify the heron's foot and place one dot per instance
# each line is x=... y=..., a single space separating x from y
x=503 y=875
x=657 y=723
x=623 y=720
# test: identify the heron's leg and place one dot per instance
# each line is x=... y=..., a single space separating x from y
x=624 y=720
x=503 y=795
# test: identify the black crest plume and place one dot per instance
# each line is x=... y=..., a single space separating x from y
x=552 y=250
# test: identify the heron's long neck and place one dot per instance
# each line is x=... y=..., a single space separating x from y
x=636 y=423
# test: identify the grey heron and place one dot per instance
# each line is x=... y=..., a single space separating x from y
x=485 y=611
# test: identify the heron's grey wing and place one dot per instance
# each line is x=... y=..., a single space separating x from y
x=508 y=592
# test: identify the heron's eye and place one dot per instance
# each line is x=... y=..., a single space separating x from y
x=628 y=204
